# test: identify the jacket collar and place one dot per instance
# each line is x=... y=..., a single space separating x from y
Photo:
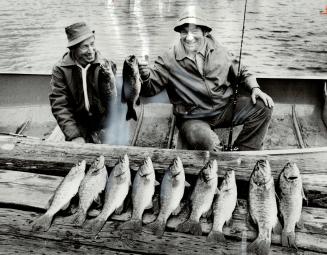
x=208 y=46
x=67 y=60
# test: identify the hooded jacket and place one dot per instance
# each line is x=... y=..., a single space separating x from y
x=194 y=93
x=67 y=96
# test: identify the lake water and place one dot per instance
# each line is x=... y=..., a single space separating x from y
x=282 y=37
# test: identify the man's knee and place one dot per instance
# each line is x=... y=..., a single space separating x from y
x=199 y=135
x=265 y=110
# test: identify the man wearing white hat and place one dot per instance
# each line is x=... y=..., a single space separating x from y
x=82 y=87
x=198 y=74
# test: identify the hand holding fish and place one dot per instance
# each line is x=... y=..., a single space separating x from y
x=144 y=68
x=106 y=69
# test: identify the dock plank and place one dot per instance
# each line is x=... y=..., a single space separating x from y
x=35 y=191
x=16 y=224
x=27 y=189
x=57 y=159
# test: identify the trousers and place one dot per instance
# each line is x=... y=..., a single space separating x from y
x=255 y=118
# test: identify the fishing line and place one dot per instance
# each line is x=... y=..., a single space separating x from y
x=230 y=137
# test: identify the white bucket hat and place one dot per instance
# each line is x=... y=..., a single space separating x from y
x=192 y=15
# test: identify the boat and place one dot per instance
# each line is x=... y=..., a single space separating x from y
x=34 y=158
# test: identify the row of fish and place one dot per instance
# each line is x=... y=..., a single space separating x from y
x=263 y=205
x=203 y=202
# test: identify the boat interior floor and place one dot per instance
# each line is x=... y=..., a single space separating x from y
x=292 y=126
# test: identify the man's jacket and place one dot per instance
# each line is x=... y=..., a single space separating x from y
x=67 y=96
x=196 y=94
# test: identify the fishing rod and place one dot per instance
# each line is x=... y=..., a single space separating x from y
x=229 y=146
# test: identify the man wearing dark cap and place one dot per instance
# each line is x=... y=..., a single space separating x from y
x=198 y=74
x=82 y=87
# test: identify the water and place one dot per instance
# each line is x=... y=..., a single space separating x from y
x=282 y=37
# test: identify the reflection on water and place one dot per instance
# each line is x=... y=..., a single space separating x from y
x=282 y=37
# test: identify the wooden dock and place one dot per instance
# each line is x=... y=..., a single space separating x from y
x=32 y=169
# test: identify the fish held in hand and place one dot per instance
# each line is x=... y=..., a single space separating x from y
x=291 y=196
x=116 y=190
x=131 y=86
x=142 y=194
x=66 y=190
x=262 y=206
x=171 y=194
x=223 y=206
x=201 y=198
x=92 y=185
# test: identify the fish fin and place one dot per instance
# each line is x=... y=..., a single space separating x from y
x=131 y=114
x=192 y=226
x=65 y=207
x=157 y=227
x=95 y=225
x=149 y=206
x=93 y=213
x=207 y=214
x=138 y=101
x=42 y=223
x=300 y=224
x=79 y=218
x=187 y=185
x=135 y=225
x=98 y=201
x=260 y=246
x=50 y=201
x=229 y=222
x=303 y=195
x=120 y=209
x=288 y=239
x=216 y=236
x=156 y=183
x=177 y=210
x=277 y=229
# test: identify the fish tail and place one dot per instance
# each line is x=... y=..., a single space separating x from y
x=260 y=246
x=42 y=223
x=79 y=218
x=95 y=225
x=192 y=226
x=131 y=114
x=135 y=225
x=216 y=236
x=157 y=227
x=288 y=239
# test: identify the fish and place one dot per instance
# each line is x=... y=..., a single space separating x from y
x=142 y=194
x=92 y=185
x=65 y=191
x=201 y=198
x=171 y=193
x=291 y=196
x=223 y=207
x=263 y=207
x=117 y=187
x=131 y=86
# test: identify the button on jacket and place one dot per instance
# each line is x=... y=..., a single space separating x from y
x=67 y=96
x=197 y=93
